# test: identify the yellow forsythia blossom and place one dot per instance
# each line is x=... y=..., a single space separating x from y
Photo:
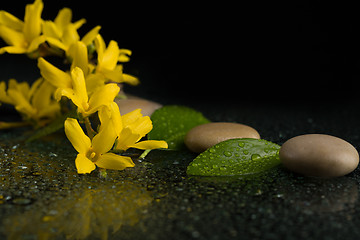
x=34 y=103
x=129 y=128
x=107 y=59
x=103 y=96
x=95 y=152
x=22 y=36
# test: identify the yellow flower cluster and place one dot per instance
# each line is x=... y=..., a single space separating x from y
x=91 y=85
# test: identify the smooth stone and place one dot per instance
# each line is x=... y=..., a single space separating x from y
x=207 y=135
x=319 y=155
x=132 y=103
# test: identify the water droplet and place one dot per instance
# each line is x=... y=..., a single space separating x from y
x=255 y=157
x=215 y=166
x=222 y=168
x=246 y=152
x=227 y=154
x=212 y=150
x=241 y=144
x=51 y=154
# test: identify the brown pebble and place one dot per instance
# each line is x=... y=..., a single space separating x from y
x=319 y=155
x=207 y=135
x=130 y=104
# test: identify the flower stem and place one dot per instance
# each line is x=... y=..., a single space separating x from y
x=144 y=154
x=90 y=131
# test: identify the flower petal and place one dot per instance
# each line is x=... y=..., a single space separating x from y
x=51 y=30
x=55 y=76
x=100 y=47
x=111 y=115
x=21 y=103
x=93 y=82
x=12 y=50
x=124 y=55
x=69 y=93
x=79 y=86
x=115 y=162
x=104 y=140
x=76 y=136
x=63 y=18
x=3 y=95
x=137 y=123
x=80 y=57
x=126 y=139
x=55 y=43
x=103 y=96
x=130 y=79
x=11 y=21
x=12 y=37
x=35 y=43
x=91 y=35
x=150 y=144
x=32 y=20
x=83 y=164
x=131 y=117
x=110 y=56
x=70 y=36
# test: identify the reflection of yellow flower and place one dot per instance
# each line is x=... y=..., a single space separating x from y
x=95 y=152
x=108 y=59
x=129 y=128
x=33 y=103
x=22 y=36
x=103 y=96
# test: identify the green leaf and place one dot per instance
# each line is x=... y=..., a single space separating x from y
x=171 y=123
x=54 y=126
x=236 y=157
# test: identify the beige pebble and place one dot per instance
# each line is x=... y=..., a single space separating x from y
x=132 y=103
x=207 y=135
x=319 y=155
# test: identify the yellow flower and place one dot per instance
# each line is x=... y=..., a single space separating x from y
x=22 y=36
x=95 y=152
x=61 y=79
x=107 y=59
x=59 y=27
x=103 y=96
x=129 y=128
x=34 y=103
x=64 y=32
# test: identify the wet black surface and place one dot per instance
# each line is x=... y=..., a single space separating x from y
x=285 y=69
x=41 y=194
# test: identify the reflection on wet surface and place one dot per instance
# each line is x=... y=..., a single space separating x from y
x=316 y=195
x=42 y=197
x=90 y=212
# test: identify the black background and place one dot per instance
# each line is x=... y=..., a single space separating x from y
x=303 y=51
